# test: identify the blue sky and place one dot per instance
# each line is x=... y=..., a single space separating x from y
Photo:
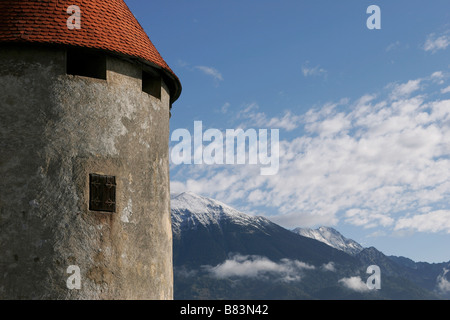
x=364 y=115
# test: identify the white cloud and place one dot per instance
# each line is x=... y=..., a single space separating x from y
x=434 y=221
x=437 y=75
x=258 y=267
x=435 y=43
x=376 y=234
x=329 y=267
x=313 y=71
x=354 y=283
x=288 y=122
x=367 y=219
x=214 y=73
x=177 y=187
x=406 y=89
x=255 y=119
x=338 y=123
x=443 y=285
x=445 y=90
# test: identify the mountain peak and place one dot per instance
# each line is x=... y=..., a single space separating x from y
x=197 y=204
x=190 y=210
x=331 y=237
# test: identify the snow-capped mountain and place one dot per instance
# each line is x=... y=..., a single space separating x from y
x=190 y=210
x=332 y=238
x=207 y=234
x=207 y=231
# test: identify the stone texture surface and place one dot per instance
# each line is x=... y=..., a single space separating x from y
x=56 y=129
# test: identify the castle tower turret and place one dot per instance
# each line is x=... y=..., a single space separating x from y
x=85 y=103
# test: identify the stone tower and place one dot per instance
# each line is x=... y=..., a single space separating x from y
x=85 y=103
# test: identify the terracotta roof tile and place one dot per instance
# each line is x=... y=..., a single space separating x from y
x=105 y=24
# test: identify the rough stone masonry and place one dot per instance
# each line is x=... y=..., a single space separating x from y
x=84 y=154
x=55 y=130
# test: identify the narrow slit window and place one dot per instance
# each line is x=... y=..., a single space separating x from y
x=151 y=84
x=87 y=64
x=102 y=193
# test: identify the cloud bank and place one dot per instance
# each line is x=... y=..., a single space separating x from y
x=259 y=267
x=380 y=161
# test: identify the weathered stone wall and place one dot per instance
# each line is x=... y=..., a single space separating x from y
x=56 y=129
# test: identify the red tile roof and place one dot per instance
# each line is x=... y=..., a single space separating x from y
x=105 y=24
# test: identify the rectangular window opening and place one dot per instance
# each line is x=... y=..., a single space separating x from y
x=102 y=193
x=151 y=84
x=87 y=64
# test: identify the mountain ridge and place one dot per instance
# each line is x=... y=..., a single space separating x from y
x=222 y=253
x=332 y=237
x=221 y=230
x=190 y=211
